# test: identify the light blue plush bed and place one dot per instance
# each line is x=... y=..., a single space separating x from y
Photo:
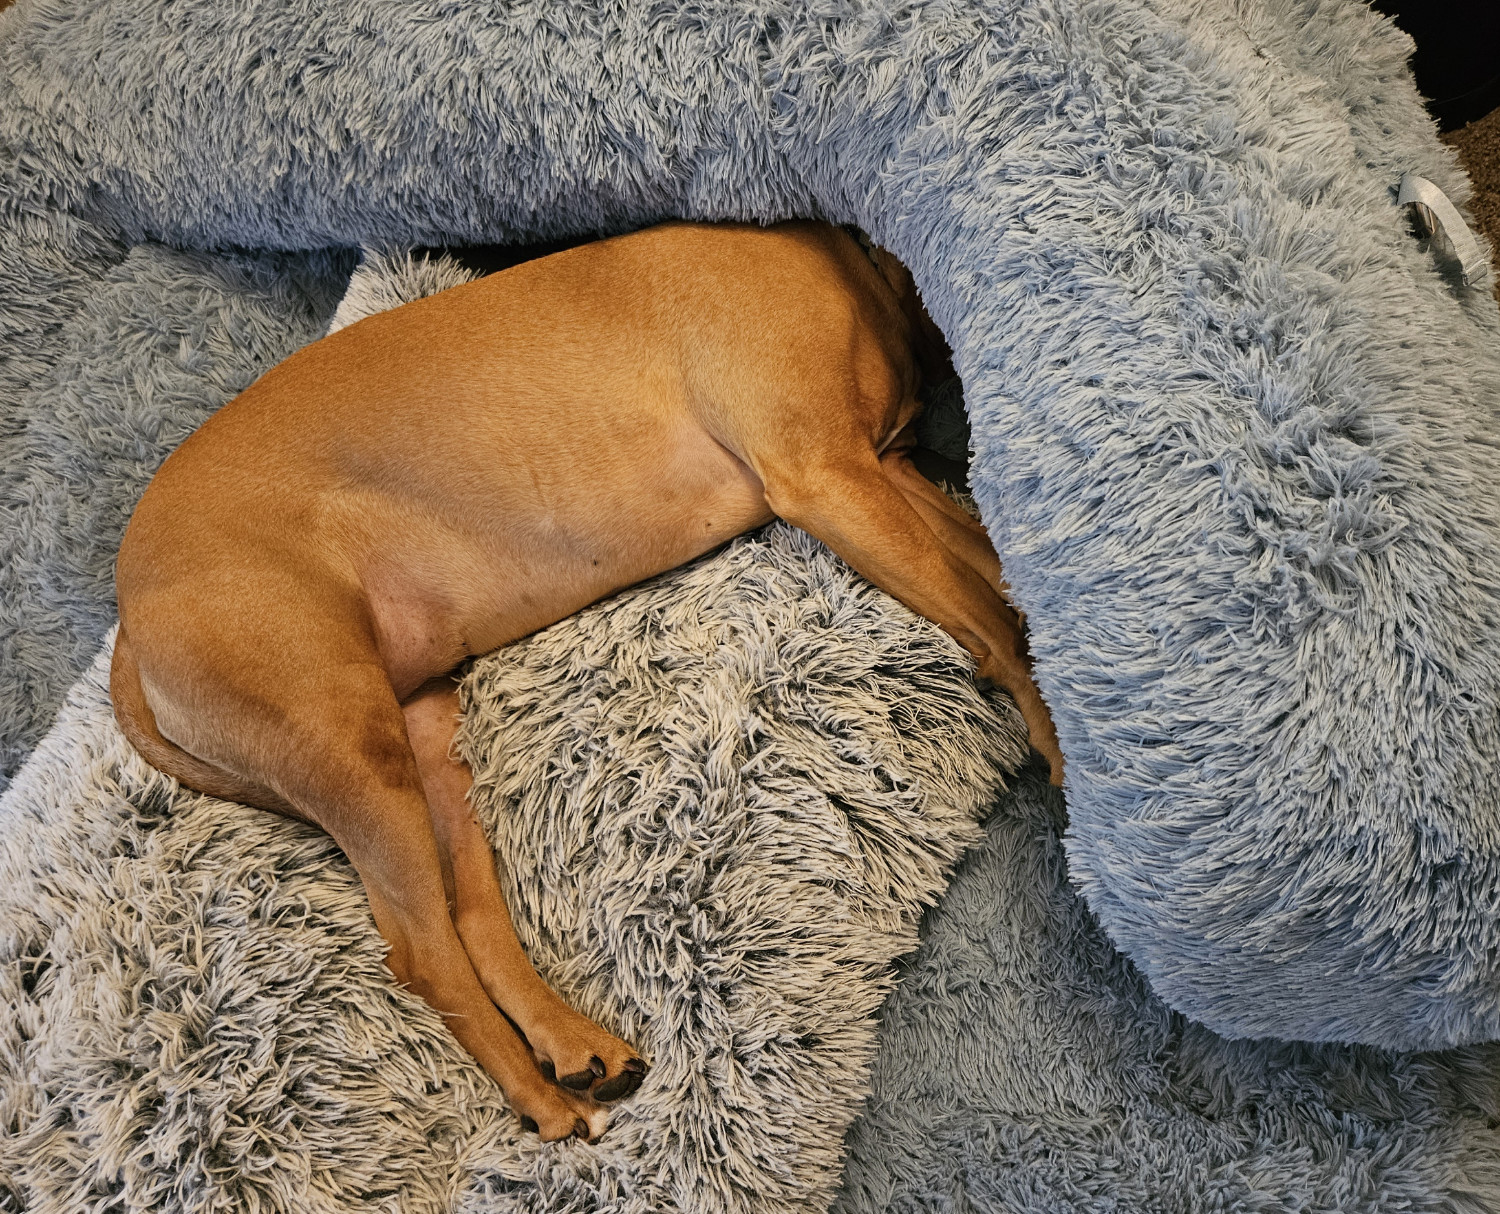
x=1233 y=432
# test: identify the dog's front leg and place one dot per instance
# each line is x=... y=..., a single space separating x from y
x=854 y=508
x=570 y=1049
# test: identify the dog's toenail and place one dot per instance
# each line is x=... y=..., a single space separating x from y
x=578 y=1080
x=635 y=1065
x=529 y=1125
x=596 y=1064
x=549 y=1072
x=581 y=1129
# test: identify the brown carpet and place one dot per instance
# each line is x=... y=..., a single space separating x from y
x=1478 y=147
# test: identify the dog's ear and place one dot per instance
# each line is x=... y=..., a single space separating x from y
x=934 y=358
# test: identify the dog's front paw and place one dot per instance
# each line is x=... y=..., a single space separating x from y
x=578 y=1055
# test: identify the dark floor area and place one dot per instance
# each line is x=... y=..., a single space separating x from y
x=1478 y=146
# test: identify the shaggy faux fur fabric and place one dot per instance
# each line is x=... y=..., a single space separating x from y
x=1233 y=430
x=1025 y=1067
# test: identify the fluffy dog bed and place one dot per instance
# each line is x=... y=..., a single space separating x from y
x=722 y=797
x=1233 y=433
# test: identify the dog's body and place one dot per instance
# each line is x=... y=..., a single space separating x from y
x=433 y=482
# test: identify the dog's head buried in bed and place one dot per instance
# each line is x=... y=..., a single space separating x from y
x=349 y=529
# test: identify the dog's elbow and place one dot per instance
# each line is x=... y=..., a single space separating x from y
x=816 y=494
x=784 y=501
x=799 y=497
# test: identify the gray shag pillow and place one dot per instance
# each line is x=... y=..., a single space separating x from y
x=722 y=800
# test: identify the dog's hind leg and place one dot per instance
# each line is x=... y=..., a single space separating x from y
x=569 y=1047
x=364 y=787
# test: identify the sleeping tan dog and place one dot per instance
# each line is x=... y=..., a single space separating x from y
x=305 y=573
